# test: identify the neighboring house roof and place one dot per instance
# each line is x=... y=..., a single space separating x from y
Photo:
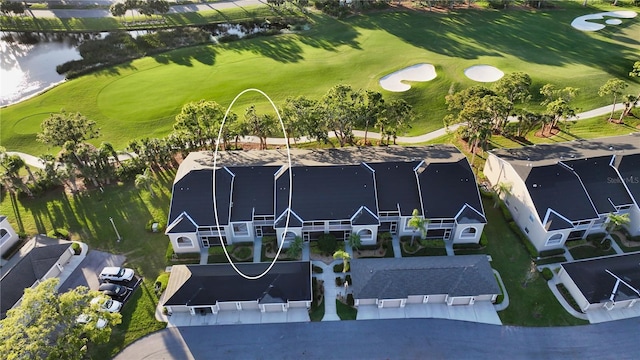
x=558 y=188
x=629 y=168
x=34 y=265
x=193 y=194
x=446 y=187
x=524 y=158
x=391 y=278
x=597 y=285
x=397 y=186
x=252 y=191
x=202 y=285
x=602 y=182
x=326 y=192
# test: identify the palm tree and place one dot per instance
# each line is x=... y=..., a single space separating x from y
x=417 y=222
x=616 y=221
x=341 y=254
x=145 y=180
x=295 y=248
x=354 y=241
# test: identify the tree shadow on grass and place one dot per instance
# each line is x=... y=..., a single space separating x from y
x=545 y=38
x=186 y=56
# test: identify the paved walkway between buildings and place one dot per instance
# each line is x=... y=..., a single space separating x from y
x=331 y=291
x=505 y=301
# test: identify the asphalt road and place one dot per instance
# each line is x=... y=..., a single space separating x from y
x=86 y=274
x=390 y=339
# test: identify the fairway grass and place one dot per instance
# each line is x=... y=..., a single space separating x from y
x=141 y=98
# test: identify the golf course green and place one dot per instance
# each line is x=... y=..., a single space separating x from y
x=141 y=98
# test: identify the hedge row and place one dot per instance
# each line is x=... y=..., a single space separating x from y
x=524 y=239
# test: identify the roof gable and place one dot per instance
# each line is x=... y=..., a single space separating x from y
x=182 y=224
x=364 y=216
x=397 y=186
x=469 y=215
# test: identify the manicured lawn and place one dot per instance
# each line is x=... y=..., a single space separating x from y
x=141 y=98
x=86 y=216
x=531 y=303
x=345 y=312
x=588 y=251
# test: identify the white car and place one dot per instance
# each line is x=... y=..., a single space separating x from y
x=107 y=304
x=84 y=318
x=112 y=273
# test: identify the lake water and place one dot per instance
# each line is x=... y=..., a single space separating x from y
x=27 y=69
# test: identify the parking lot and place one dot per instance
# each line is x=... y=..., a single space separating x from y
x=86 y=274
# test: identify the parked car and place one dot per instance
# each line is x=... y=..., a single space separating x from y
x=112 y=273
x=84 y=319
x=114 y=290
x=107 y=304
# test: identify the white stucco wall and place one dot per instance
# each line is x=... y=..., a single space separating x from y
x=235 y=237
x=573 y=289
x=457 y=239
x=634 y=221
x=374 y=233
x=182 y=249
x=280 y=234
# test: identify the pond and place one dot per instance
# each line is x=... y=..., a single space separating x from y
x=28 y=65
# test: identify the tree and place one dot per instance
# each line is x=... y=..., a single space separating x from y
x=295 y=248
x=201 y=121
x=369 y=106
x=45 y=325
x=63 y=127
x=341 y=254
x=616 y=221
x=354 y=241
x=145 y=180
x=612 y=87
x=131 y=5
x=527 y=121
x=558 y=105
x=515 y=88
x=118 y=9
x=261 y=126
x=418 y=223
x=299 y=117
x=630 y=101
x=396 y=116
x=338 y=109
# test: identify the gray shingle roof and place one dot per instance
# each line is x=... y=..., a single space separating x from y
x=32 y=267
x=392 y=278
x=195 y=285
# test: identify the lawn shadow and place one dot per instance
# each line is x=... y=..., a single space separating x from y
x=185 y=56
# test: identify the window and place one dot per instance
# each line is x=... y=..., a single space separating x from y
x=184 y=242
x=526 y=230
x=240 y=229
x=506 y=201
x=531 y=217
x=289 y=236
x=555 y=239
x=365 y=234
x=469 y=232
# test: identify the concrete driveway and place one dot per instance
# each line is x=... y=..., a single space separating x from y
x=86 y=274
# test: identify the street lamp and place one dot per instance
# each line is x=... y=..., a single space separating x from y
x=114 y=228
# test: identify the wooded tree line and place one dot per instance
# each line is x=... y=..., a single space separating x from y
x=340 y=110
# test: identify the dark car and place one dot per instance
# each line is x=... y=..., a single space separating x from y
x=114 y=290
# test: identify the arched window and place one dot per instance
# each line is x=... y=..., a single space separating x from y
x=365 y=234
x=289 y=236
x=183 y=241
x=469 y=232
x=554 y=239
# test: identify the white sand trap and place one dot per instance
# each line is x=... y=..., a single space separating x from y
x=419 y=72
x=582 y=23
x=483 y=73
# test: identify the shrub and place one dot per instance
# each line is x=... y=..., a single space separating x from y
x=597 y=237
x=385 y=236
x=434 y=243
x=553 y=252
x=161 y=282
x=338 y=268
x=547 y=274
x=603 y=245
x=59 y=234
x=317 y=269
x=483 y=240
x=338 y=281
x=348 y=280
x=350 y=300
x=505 y=212
x=169 y=253
x=523 y=238
x=628 y=235
x=76 y=248
x=327 y=243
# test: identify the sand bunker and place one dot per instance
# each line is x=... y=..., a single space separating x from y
x=582 y=23
x=419 y=72
x=483 y=73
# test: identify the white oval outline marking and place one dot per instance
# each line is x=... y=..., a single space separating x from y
x=215 y=206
